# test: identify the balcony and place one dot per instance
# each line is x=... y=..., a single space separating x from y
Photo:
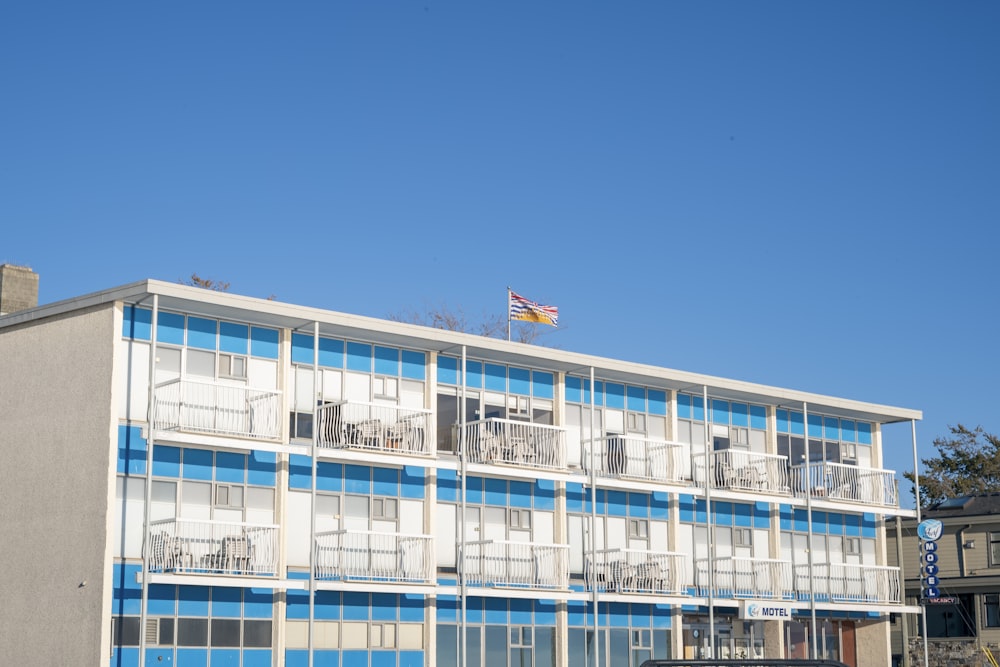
x=196 y=406
x=502 y=564
x=846 y=483
x=212 y=547
x=747 y=578
x=356 y=555
x=743 y=470
x=842 y=582
x=631 y=457
x=637 y=571
x=516 y=443
x=377 y=428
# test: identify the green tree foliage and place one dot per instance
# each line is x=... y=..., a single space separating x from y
x=967 y=464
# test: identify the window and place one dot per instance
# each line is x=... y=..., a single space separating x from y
x=739 y=436
x=385 y=387
x=852 y=545
x=743 y=537
x=232 y=366
x=994 y=549
x=228 y=495
x=192 y=632
x=125 y=630
x=636 y=422
x=992 y=607
x=638 y=528
x=383 y=635
x=520 y=519
x=385 y=508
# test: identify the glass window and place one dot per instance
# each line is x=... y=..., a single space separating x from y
x=201 y=364
x=192 y=632
x=257 y=634
x=447 y=645
x=994 y=549
x=225 y=632
x=992 y=602
x=951 y=620
x=125 y=630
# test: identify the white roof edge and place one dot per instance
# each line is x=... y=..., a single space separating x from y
x=447 y=340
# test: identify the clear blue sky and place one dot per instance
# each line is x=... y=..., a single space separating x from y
x=803 y=194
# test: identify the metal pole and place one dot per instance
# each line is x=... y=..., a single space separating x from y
x=709 y=472
x=593 y=523
x=508 y=313
x=902 y=582
x=809 y=534
x=312 y=493
x=462 y=458
x=916 y=495
x=144 y=595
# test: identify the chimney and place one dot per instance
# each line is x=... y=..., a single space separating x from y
x=18 y=288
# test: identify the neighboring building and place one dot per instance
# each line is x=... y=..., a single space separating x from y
x=449 y=497
x=969 y=562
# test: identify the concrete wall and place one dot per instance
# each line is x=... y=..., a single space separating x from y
x=56 y=489
x=872 y=638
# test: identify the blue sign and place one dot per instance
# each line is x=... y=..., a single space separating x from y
x=930 y=558
x=928 y=546
x=931 y=570
x=932 y=592
x=931 y=581
x=930 y=530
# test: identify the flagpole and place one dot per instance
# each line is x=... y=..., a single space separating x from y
x=508 y=313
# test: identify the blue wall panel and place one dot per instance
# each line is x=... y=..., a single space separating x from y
x=387 y=361
x=202 y=333
x=262 y=468
x=234 y=338
x=264 y=343
x=169 y=328
x=542 y=384
x=414 y=365
x=359 y=357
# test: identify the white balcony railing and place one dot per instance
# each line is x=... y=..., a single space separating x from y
x=517 y=564
x=385 y=428
x=633 y=457
x=842 y=582
x=513 y=442
x=637 y=571
x=849 y=483
x=354 y=555
x=747 y=578
x=219 y=409
x=212 y=547
x=742 y=470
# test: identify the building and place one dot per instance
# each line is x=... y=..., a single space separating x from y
x=969 y=561
x=297 y=486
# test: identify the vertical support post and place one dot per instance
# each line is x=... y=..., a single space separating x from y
x=463 y=461
x=916 y=495
x=144 y=595
x=593 y=524
x=814 y=645
x=312 y=494
x=709 y=472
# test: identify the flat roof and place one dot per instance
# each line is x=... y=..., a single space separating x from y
x=225 y=305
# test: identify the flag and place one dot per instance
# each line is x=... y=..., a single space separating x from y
x=522 y=309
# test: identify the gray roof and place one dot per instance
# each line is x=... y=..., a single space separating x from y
x=965 y=506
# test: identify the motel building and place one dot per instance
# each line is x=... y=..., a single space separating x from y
x=198 y=478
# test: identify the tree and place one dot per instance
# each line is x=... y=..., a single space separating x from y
x=215 y=285
x=491 y=326
x=968 y=464
x=207 y=283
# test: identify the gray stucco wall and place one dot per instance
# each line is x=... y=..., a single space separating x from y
x=56 y=413
x=872 y=639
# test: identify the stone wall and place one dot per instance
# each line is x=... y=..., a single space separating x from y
x=952 y=653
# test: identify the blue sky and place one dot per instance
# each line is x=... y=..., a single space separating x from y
x=803 y=194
